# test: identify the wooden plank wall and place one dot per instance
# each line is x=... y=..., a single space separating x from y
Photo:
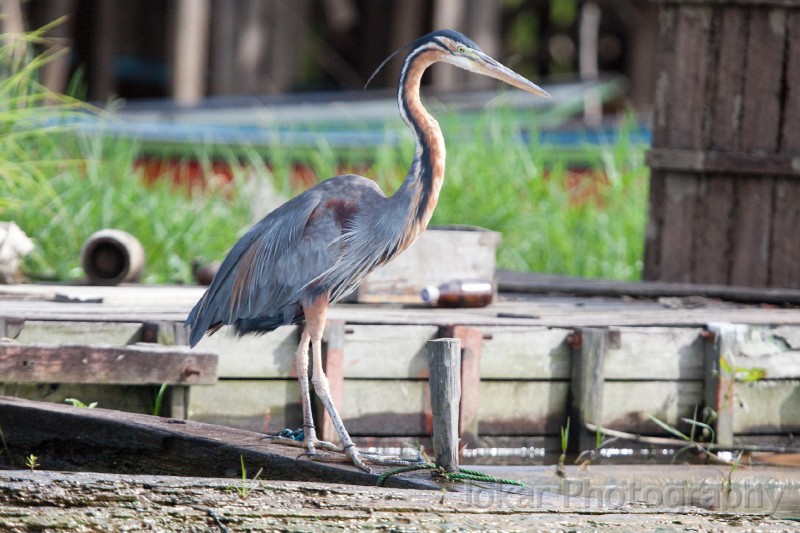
x=523 y=392
x=727 y=93
x=131 y=398
x=524 y=388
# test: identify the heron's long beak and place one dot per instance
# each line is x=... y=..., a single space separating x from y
x=489 y=67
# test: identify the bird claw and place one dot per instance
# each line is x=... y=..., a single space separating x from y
x=308 y=444
x=352 y=454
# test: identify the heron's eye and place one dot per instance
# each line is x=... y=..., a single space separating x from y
x=461 y=49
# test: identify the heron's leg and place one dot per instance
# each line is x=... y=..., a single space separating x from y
x=316 y=315
x=301 y=366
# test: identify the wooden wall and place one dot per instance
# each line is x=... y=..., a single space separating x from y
x=725 y=193
x=520 y=383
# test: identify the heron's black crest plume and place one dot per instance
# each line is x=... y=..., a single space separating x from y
x=452 y=34
x=386 y=61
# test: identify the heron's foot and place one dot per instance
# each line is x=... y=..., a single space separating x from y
x=352 y=453
x=310 y=444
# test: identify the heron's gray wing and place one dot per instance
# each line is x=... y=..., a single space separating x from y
x=247 y=283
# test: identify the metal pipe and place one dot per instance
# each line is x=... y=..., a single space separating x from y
x=111 y=257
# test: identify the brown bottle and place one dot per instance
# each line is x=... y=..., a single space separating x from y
x=459 y=293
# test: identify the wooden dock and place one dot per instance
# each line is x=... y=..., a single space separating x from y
x=100 y=469
x=663 y=357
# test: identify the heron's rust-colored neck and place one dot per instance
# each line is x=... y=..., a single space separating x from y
x=424 y=180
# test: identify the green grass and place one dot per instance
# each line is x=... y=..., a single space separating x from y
x=592 y=228
x=61 y=186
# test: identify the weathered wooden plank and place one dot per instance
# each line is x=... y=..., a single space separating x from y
x=655 y=354
x=691 y=67
x=731 y=46
x=398 y=351
x=774 y=351
x=662 y=123
x=471 y=349
x=761 y=119
x=46 y=501
x=75 y=332
x=538 y=311
x=67 y=438
x=654 y=229
x=790 y=137
x=784 y=264
x=626 y=404
x=665 y=57
x=471 y=255
x=384 y=407
x=778 y=365
x=254 y=356
x=333 y=365
x=788 y=334
x=589 y=347
x=731 y=163
x=175 y=404
x=266 y=406
x=396 y=407
x=720 y=369
x=679 y=212
x=763 y=80
x=535 y=283
x=522 y=407
x=711 y=245
x=767 y=407
x=525 y=353
x=751 y=232
x=105 y=364
x=785 y=246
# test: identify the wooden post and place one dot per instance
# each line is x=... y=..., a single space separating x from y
x=471 y=345
x=191 y=50
x=444 y=363
x=333 y=365
x=178 y=398
x=586 y=387
x=720 y=368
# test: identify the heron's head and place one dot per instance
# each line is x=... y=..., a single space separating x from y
x=449 y=46
x=459 y=50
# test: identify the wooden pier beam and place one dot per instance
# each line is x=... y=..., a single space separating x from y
x=586 y=386
x=333 y=365
x=444 y=362
x=471 y=345
x=720 y=369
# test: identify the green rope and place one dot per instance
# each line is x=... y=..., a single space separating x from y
x=463 y=474
x=402 y=469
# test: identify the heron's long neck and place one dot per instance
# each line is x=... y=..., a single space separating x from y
x=420 y=190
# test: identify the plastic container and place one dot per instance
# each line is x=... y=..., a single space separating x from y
x=459 y=293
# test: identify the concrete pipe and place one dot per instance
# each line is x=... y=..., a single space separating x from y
x=111 y=257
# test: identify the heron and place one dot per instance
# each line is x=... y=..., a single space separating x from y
x=318 y=247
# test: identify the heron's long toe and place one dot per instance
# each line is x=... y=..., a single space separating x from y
x=352 y=453
x=310 y=444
